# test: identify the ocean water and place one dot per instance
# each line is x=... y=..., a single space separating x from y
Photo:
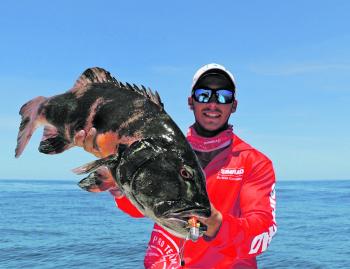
x=53 y=224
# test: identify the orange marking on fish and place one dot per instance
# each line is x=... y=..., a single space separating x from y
x=107 y=143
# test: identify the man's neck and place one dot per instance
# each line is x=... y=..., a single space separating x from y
x=206 y=133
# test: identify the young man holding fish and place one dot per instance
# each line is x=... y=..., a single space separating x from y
x=240 y=184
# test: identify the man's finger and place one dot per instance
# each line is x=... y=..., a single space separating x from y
x=79 y=138
x=89 y=140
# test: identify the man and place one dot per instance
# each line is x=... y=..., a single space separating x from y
x=240 y=185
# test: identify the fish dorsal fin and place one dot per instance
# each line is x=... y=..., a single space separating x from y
x=94 y=75
x=97 y=75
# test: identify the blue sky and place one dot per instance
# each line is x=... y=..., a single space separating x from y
x=291 y=60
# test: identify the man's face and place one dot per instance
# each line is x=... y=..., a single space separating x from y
x=211 y=116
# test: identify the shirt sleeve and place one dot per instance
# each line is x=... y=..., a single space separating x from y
x=127 y=207
x=251 y=233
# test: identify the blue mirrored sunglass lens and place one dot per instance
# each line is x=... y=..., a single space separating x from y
x=202 y=95
x=224 y=96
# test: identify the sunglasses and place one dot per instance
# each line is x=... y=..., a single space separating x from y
x=222 y=96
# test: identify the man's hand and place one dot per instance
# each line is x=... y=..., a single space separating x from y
x=86 y=141
x=213 y=223
x=81 y=139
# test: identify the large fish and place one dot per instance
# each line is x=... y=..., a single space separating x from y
x=154 y=165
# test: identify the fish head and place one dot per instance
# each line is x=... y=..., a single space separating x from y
x=166 y=183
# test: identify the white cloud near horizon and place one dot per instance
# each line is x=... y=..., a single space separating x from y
x=290 y=69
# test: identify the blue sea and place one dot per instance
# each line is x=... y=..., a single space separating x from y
x=54 y=224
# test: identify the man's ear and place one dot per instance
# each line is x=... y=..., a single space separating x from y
x=190 y=102
x=234 y=106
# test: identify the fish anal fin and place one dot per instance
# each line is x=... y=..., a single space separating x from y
x=49 y=132
x=54 y=144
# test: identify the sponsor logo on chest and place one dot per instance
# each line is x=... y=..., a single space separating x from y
x=228 y=173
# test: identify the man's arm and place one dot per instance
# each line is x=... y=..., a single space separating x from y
x=250 y=234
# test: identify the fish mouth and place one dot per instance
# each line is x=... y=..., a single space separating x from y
x=177 y=222
x=185 y=214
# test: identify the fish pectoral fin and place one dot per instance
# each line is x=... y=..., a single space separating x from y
x=99 y=180
x=101 y=177
x=108 y=161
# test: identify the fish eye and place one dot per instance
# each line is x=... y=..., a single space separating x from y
x=186 y=172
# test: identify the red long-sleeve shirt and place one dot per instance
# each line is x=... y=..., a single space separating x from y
x=241 y=185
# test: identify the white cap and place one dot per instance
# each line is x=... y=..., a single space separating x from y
x=207 y=67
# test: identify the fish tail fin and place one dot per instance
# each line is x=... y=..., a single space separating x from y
x=100 y=177
x=30 y=121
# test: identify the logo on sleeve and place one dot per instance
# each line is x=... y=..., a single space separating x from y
x=261 y=241
x=162 y=252
x=231 y=173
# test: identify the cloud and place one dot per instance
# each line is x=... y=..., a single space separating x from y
x=290 y=69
